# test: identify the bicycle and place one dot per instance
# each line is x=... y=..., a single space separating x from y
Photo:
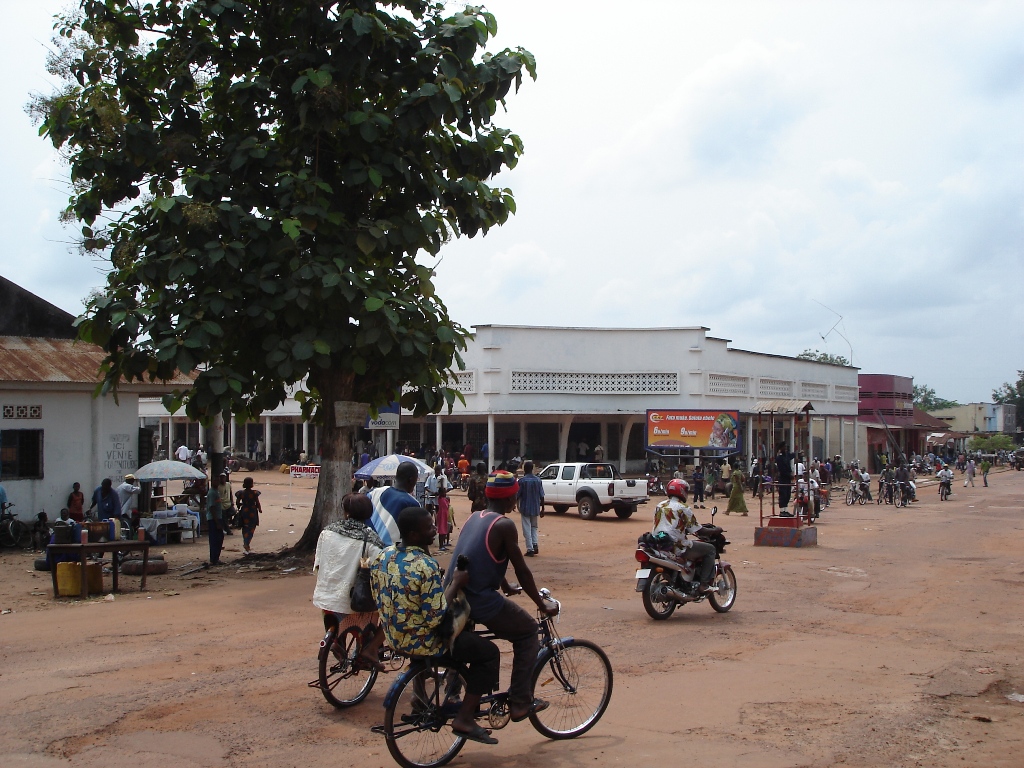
x=574 y=675
x=902 y=495
x=855 y=494
x=13 y=532
x=341 y=679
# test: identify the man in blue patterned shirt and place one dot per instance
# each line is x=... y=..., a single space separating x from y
x=406 y=581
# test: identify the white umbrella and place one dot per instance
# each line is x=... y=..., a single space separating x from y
x=168 y=470
x=386 y=466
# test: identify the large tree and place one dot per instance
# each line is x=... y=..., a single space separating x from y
x=263 y=175
x=1012 y=393
x=926 y=399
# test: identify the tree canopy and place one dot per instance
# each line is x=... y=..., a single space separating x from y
x=263 y=176
x=991 y=443
x=822 y=357
x=1012 y=393
x=926 y=399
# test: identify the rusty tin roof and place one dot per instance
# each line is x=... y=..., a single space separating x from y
x=55 y=362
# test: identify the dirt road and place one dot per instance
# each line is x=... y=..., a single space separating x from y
x=896 y=642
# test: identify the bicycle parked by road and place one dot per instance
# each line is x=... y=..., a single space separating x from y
x=574 y=676
x=13 y=532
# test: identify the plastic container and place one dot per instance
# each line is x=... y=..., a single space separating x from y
x=69 y=579
x=63 y=534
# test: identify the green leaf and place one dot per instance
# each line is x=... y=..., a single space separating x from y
x=291 y=228
x=359 y=366
x=320 y=78
x=366 y=243
x=321 y=347
x=375 y=176
x=163 y=203
x=302 y=350
x=373 y=304
x=300 y=83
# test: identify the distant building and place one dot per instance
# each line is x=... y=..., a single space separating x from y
x=53 y=432
x=991 y=418
x=542 y=391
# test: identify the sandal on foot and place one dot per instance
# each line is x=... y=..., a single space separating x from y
x=539 y=705
x=478 y=734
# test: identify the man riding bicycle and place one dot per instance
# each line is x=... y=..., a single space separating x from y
x=491 y=541
x=406 y=582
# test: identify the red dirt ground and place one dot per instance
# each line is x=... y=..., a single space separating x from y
x=896 y=642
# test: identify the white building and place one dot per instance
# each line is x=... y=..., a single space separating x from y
x=541 y=391
x=54 y=432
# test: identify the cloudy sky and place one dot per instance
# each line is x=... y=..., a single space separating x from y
x=761 y=168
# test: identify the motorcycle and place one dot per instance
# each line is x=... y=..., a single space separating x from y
x=667 y=583
x=654 y=486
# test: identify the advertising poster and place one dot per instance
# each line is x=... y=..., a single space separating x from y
x=388 y=417
x=693 y=429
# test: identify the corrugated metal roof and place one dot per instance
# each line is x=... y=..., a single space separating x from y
x=783 y=406
x=60 y=361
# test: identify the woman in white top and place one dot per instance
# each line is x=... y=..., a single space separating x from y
x=338 y=551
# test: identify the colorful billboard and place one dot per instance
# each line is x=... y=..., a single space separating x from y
x=693 y=429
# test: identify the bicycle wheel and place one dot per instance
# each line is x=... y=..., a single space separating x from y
x=341 y=684
x=576 y=681
x=19 y=534
x=420 y=706
x=850 y=497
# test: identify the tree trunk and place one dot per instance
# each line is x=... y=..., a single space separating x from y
x=336 y=456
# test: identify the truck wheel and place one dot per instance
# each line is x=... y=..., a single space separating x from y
x=624 y=512
x=588 y=507
x=560 y=508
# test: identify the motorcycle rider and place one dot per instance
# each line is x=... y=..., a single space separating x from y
x=945 y=477
x=673 y=518
x=903 y=480
x=865 y=482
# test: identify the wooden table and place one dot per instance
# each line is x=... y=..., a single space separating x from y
x=84 y=550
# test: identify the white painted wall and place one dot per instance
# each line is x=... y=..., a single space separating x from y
x=84 y=440
x=690 y=352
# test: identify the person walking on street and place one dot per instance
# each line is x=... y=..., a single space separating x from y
x=530 y=498
x=477 y=488
x=986 y=465
x=970 y=474
x=227 y=500
x=214 y=521
x=247 y=501
x=737 y=503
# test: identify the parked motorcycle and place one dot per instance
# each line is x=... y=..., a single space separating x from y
x=654 y=486
x=667 y=583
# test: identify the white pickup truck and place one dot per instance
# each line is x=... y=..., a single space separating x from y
x=591 y=488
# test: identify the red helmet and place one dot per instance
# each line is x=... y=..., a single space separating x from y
x=677 y=487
